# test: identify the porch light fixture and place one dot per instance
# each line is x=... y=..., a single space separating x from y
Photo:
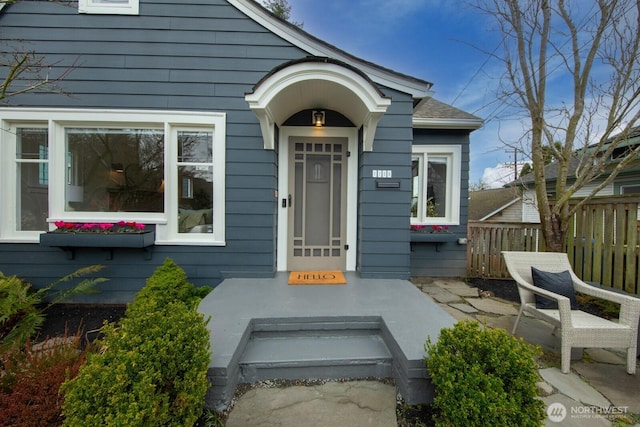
x=318 y=118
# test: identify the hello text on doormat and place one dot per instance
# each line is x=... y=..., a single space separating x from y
x=317 y=278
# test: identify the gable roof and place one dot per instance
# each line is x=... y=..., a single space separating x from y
x=418 y=88
x=484 y=204
x=433 y=114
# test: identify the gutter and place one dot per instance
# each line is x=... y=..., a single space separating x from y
x=433 y=123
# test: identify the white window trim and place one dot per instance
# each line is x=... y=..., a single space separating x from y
x=9 y=184
x=168 y=233
x=58 y=119
x=452 y=209
x=97 y=7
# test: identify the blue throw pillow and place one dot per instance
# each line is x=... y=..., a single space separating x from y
x=558 y=283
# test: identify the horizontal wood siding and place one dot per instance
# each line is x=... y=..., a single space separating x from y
x=383 y=220
x=196 y=55
x=199 y=55
x=445 y=259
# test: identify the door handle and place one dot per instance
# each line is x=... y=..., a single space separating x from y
x=285 y=201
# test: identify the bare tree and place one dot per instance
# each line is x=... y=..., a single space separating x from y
x=22 y=70
x=593 y=47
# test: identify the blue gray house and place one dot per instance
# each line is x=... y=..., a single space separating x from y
x=246 y=145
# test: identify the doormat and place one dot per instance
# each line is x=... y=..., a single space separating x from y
x=317 y=278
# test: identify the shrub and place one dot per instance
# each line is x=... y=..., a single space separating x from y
x=168 y=284
x=152 y=367
x=30 y=379
x=483 y=377
x=22 y=310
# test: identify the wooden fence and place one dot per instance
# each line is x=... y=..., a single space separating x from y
x=602 y=244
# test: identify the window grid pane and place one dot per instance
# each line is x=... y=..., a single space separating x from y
x=32 y=179
x=195 y=181
x=436 y=194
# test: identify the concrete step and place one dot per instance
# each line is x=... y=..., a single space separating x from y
x=311 y=354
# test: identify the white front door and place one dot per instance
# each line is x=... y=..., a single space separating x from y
x=317 y=203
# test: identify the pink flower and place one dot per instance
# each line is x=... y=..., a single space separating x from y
x=106 y=227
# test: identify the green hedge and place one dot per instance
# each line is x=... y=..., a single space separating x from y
x=151 y=368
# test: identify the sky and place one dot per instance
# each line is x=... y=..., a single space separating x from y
x=440 y=41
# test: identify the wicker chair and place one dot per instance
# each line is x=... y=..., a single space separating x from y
x=577 y=328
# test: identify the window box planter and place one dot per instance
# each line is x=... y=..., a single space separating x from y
x=70 y=241
x=437 y=238
x=433 y=237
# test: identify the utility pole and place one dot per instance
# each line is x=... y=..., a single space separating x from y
x=515 y=162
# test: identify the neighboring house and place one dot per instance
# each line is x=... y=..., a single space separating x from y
x=495 y=205
x=626 y=182
x=247 y=145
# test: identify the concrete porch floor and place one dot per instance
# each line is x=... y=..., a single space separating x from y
x=395 y=311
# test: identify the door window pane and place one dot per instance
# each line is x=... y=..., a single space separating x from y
x=114 y=170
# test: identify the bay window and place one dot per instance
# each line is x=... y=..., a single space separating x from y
x=159 y=168
x=435 y=185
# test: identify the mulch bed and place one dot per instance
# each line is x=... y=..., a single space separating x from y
x=84 y=319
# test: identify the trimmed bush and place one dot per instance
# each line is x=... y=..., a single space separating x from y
x=483 y=377
x=169 y=284
x=152 y=369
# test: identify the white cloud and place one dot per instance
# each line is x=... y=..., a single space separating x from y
x=500 y=175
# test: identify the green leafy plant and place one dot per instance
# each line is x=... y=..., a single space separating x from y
x=22 y=309
x=483 y=377
x=152 y=367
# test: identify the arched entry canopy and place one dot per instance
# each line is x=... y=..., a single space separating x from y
x=317 y=83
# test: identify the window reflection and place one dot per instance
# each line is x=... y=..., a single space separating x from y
x=32 y=156
x=195 y=182
x=114 y=170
